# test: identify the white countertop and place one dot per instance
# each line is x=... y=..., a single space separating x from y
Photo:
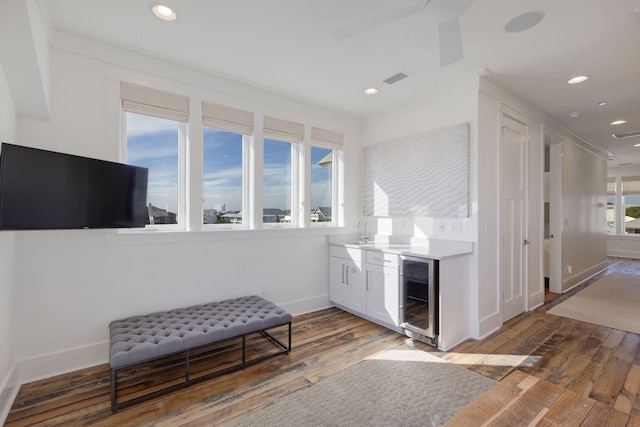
x=434 y=249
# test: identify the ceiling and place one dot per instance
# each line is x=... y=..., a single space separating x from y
x=289 y=46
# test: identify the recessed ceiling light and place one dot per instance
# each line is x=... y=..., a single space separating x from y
x=618 y=122
x=601 y=104
x=574 y=114
x=370 y=91
x=163 y=12
x=636 y=145
x=577 y=79
x=524 y=22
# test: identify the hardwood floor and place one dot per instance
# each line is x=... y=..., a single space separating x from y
x=594 y=361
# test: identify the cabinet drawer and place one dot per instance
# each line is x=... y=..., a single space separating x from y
x=382 y=258
x=345 y=253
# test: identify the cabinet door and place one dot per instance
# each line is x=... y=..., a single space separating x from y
x=337 y=281
x=356 y=286
x=383 y=294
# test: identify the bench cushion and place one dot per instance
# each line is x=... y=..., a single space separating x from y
x=141 y=338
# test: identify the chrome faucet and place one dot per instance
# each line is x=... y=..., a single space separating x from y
x=363 y=236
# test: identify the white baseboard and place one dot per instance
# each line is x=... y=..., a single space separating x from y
x=623 y=254
x=306 y=305
x=489 y=325
x=9 y=387
x=62 y=362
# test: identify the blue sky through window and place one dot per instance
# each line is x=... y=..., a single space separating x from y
x=153 y=143
x=222 y=170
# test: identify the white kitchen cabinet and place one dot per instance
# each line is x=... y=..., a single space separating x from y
x=347 y=285
x=383 y=293
x=365 y=283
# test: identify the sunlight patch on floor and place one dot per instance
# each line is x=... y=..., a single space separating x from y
x=463 y=359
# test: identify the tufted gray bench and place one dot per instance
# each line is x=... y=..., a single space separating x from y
x=140 y=339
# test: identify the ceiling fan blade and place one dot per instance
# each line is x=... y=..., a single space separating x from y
x=450 y=41
x=376 y=21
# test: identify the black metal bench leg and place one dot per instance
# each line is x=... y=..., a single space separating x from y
x=244 y=351
x=113 y=389
x=187 y=380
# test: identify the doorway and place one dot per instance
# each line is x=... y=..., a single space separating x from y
x=513 y=215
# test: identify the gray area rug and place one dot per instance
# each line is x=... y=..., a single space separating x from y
x=613 y=301
x=400 y=387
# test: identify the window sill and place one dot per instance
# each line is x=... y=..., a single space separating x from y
x=147 y=237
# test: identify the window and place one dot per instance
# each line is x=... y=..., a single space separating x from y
x=300 y=167
x=155 y=129
x=325 y=146
x=611 y=206
x=223 y=177
x=278 y=182
x=154 y=143
x=321 y=184
x=631 y=201
x=225 y=141
x=280 y=187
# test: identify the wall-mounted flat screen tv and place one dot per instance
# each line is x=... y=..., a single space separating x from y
x=46 y=190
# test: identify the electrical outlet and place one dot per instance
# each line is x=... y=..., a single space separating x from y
x=456 y=227
x=441 y=226
x=265 y=289
x=569 y=269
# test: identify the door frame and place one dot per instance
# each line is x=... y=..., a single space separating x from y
x=534 y=260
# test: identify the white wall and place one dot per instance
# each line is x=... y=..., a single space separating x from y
x=428 y=111
x=584 y=205
x=436 y=109
x=7 y=346
x=70 y=284
x=585 y=171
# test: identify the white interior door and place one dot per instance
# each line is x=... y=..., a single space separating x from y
x=513 y=215
x=555 y=219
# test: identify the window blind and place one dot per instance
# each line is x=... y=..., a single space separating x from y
x=630 y=185
x=611 y=186
x=152 y=102
x=228 y=119
x=283 y=130
x=326 y=138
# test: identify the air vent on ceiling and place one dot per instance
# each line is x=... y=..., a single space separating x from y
x=395 y=78
x=623 y=135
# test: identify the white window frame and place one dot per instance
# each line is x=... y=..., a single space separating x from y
x=295 y=187
x=182 y=194
x=246 y=176
x=335 y=188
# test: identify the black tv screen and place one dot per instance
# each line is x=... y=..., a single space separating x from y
x=45 y=190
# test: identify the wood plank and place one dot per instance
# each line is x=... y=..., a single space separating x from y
x=625 y=401
x=531 y=405
x=609 y=384
x=569 y=409
x=604 y=415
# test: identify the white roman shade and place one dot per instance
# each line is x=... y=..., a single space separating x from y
x=228 y=119
x=151 y=102
x=327 y=139
x=283 y=130
x=631 y=185
x=611 y=186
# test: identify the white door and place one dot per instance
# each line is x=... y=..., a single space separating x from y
x=513 y=216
